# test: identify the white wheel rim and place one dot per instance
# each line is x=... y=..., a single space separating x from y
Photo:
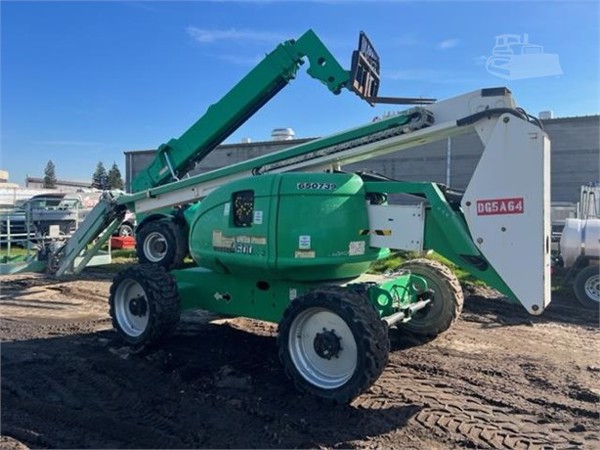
x=592 y=288
x=125 y=231
x=131 y=308
x=155 y=247
x=316 y=369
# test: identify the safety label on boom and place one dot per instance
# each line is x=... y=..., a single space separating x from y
x=500 y=206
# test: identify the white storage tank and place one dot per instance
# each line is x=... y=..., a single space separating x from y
x=580 y=237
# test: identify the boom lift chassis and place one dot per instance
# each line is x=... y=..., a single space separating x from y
x=287 y=237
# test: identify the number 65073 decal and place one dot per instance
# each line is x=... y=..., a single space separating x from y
x=316 y=186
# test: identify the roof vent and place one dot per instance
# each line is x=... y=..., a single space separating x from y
x=282 y=134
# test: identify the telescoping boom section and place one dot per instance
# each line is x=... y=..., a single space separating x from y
x=175 y=158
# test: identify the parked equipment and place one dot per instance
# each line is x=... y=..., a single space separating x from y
x=32 y=231
x=287 y=237
x=580 y=255
x=35 y=216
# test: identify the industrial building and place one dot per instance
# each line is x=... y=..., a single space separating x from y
x=12 y=193
x=575 y=157
x=61 y=185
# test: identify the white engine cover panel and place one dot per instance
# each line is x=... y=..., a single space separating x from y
x=507 y=207
x=399 y=227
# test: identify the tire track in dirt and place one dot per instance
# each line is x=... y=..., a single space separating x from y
x=471 y=422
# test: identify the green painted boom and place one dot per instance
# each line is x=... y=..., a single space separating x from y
x=177 y=157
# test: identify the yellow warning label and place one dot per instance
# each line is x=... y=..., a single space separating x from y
x=376 y=232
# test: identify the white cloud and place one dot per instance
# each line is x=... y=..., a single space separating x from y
x=448 y=43
x=438 y=76
x=241 y=60
x=206 y=36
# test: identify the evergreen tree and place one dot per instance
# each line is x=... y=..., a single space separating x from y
x=115 y=181
x=49 y=176
x=100 y=177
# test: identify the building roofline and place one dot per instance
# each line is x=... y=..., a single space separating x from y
x=63 y=182
x=569 y=118
x=270 y=143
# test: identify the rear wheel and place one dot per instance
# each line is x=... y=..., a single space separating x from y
x=587 y=286
x=333 y=344
x=163 y=243
x=447 y=302
x=144 y=305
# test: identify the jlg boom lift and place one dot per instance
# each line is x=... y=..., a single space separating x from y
x=287 y=237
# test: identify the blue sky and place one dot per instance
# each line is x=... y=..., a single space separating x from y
x=81 y=82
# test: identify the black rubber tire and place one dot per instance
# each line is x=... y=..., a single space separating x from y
x=368 y=330
x=175 y=237
x=447 y=303
x=161 y=300
x=589 y=274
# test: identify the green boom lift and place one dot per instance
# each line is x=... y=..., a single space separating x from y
x=287 y=237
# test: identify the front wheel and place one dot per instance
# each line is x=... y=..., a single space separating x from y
x=333 y=344
x=587 y=286
x=144 y=305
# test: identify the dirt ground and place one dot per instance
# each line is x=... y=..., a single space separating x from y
x=498 y=379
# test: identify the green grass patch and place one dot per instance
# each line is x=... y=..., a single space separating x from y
x=559 y=284
x=393 y=262
x=125 y=254
x=120 y=259
x=15 y=252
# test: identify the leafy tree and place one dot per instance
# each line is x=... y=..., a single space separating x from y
x=115 y=181
x=100 y=177
x=50 y=176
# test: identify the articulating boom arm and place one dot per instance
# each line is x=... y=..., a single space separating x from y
x=275 y=71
